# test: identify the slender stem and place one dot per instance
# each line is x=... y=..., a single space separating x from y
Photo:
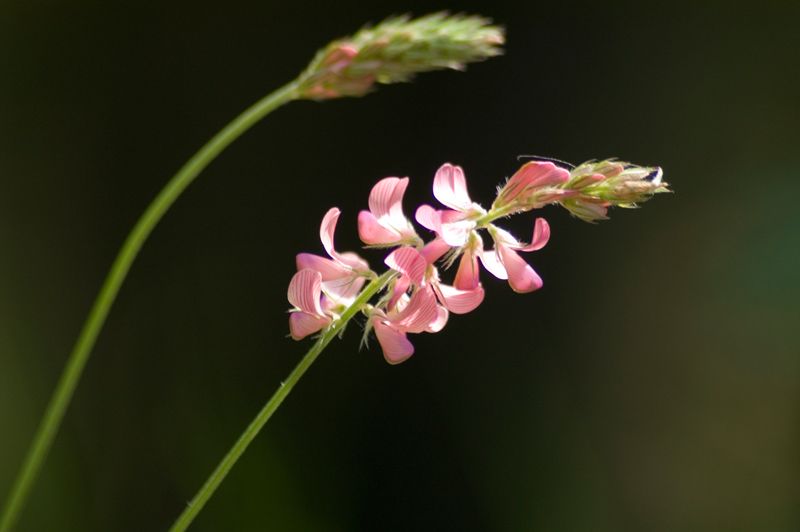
x=116 y=276
x=496 y=213
x=255 y=426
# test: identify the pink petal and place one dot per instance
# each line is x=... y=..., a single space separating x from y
x=534 y=174
x=301 y=324
x=305 y=291
x=493 y=265
x=396 y=347
x=372 y=232
x=441 y=320
x=329 y=269
x=461 y=301
x=434 y=250
x=401 y=285
x=544 y=174
x=521 y=276
x=450 y=187
x=327 y=228
x=408 y=261
x=541 y=234
x=428 y=217
x=386 y=197
x=420 y=312
x=468 y=274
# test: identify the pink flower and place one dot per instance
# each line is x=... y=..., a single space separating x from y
x=385 y=224
x=504 y=262
x=450 y=188
x=305 y=295
x=457 y=228
x=410 y=314
x=343 y=274
x=417 y=270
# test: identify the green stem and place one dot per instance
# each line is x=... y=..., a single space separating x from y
x=80 y=354
x=496 y=213
x=255 y=426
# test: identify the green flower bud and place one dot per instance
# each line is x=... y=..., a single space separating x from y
x=610 y=183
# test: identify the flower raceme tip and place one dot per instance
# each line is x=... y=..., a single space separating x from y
x=415 y=299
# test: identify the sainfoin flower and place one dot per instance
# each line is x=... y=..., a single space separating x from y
x=343 y=274
x=325 y=292
x=384 y=224
x=457 y=227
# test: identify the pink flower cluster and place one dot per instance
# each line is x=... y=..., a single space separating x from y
x=416 y=299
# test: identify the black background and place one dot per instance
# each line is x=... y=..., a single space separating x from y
x=652 y=384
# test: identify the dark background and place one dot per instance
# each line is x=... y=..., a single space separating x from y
x=652 y=384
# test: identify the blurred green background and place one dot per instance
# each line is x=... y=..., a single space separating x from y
x=652 y=384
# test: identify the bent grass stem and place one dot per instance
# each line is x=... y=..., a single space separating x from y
x=71 y=374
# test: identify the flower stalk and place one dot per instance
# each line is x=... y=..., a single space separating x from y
x=255 y=426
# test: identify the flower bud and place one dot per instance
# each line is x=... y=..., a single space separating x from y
x=608 y=183
x=397 y=49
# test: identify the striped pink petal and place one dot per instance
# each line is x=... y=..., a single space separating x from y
x=409 y=262
x=396 y=347
x=428 y=217
x=420 y=312
x=329 y=269
x=301 y=324
x=386 y=201
x=305 y=289
x=450 y=187
x=460 y=301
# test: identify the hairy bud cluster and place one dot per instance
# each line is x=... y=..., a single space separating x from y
x=598 y=185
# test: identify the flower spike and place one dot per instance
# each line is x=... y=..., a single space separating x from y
x=415 y=299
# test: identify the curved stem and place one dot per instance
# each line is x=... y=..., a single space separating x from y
x=255 y=426
x=116 y=276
